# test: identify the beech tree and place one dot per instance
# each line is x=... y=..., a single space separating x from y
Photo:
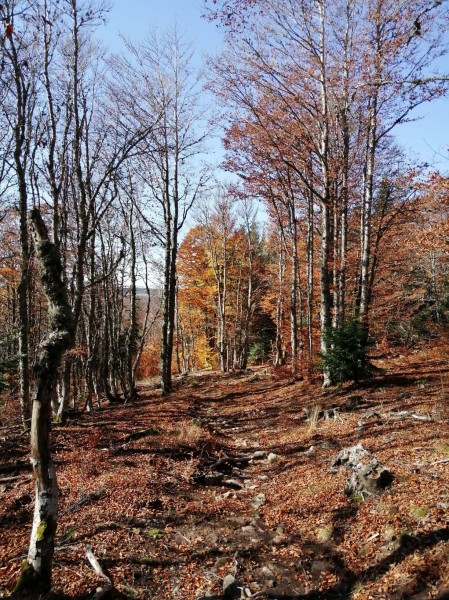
x=18 y=103
x=160 y=68
x=36 y=570
x=324 y=85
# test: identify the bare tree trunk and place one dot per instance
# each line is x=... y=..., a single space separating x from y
x=22 y=90
x=325 y=287
x=36 y=570
x=222 y=299
x=310 y=257
x=165 y=365
x=294 y=288
x=23 y=302
x=279 y=358
x=325 y=315
x=131 y=341
x=340 y=309
x=366 y=212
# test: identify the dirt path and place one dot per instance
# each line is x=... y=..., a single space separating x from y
x=226 y=478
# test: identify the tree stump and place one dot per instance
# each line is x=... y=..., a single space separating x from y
x=366 y=474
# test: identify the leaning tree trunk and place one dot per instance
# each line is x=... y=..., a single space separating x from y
x=36 y=570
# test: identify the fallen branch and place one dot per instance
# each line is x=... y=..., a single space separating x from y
x=108 y=587
x=14 y=478
x=405 y=414
x=136 y=435
x=148 y=561
x=232 y=460
x=95 y=495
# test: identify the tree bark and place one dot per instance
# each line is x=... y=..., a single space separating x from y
x=36 y=570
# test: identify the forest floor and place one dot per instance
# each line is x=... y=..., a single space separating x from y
x=228 y=477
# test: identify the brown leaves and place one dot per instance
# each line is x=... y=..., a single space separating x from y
x=392 y=545
x=9 y=29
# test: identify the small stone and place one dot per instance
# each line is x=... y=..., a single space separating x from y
x=258 y=501
x=258 y=455
x=279 y=539
x=389 y=535
x=272 y=457
x=250 y=530
x=212 y=538
x=232 y=587
x=181 y=539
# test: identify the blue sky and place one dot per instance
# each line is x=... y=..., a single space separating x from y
x=134 y=18
x=427 y=139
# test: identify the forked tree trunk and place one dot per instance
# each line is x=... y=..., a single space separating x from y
x=36 y=571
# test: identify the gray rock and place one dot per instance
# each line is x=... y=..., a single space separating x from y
x=272 y=457
x=250 y=485
x=258 y=501
x=258 y=455
x=279 y=539
x=310 y=452
x=232 y=587
x=266 y=572
x=250 y=530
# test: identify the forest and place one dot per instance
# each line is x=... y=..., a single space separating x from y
x=223 y=380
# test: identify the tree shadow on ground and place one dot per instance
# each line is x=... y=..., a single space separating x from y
x=408 y=545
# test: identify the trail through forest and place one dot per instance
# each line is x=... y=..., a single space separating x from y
x=229 y=482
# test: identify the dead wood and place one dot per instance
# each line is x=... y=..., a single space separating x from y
x=405 y=414
x=231 y=460
x=136 y=435
x=108 y=587
x=149 y=561
x=14 y=478
x=85 y=498
x=367 y=475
